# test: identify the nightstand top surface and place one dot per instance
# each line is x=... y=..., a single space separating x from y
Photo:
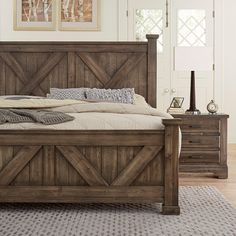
x=203 y=115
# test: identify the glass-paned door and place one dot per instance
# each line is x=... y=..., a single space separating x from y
x=151 y=17
x=193 y=23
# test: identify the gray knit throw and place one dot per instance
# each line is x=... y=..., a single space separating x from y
x=35 y=116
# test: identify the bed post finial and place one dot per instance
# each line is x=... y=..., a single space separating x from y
x=152 y=69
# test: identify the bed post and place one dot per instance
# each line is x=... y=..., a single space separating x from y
x=152 y=69
x=171 y=182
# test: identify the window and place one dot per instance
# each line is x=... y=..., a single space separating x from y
x=192 y=28
x=149 y=21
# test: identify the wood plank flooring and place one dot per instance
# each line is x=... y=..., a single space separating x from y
x=226 y=186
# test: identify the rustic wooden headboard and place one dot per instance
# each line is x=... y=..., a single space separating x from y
x=31 y=68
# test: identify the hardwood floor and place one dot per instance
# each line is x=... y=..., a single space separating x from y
x=226 y=186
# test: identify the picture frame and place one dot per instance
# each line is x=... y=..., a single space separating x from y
x=35 y=15
x=79 y=15
x=177 y=102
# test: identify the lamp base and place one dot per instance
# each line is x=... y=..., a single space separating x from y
x=195 y=112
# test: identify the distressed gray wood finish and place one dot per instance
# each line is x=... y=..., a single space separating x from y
x=32 y=68
x=86 y=166
x=204 y=146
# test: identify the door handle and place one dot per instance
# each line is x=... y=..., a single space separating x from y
x=173 y=90
x=166 y=90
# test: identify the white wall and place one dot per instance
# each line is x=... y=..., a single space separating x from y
x=109 y=26
x=229 y=103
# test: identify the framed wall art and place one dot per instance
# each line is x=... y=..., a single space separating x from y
x=81 y=15
x=35 y=14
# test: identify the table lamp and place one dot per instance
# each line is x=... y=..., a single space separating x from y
x=193 y=59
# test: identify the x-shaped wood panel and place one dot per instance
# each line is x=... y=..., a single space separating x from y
x=107 y=80
x=82 y=166
x=31 y=82
x=94 y=178
x=137 y=165
x=17 y=164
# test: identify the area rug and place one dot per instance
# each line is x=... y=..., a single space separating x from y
x=204 y=211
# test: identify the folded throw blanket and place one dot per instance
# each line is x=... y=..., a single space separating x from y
x=36 y=116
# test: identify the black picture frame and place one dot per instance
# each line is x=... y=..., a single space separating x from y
x=177 y=102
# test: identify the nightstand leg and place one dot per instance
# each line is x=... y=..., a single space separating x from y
x=222 y=174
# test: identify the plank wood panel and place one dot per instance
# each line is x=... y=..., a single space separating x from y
x=131 y=62
x=89 y=47
x=75 y=179
x=2 y=77
x=23 y=176
x=109 y=163
x=48 y=165
x=10 y=86
x=62 y=175
x=6 y=155
x=36 y=169
x=134 y=168
x=14 y=66
x=88 y=138
x=94 y=156
x=21 y=159
x=79 y=73
x=22 y=60
x=100 y=74
x=142 y=83
x=111 y=65
x=81 y=194
x=71 y=64
x=79 y=162
x=53 y=60
x=125 y=156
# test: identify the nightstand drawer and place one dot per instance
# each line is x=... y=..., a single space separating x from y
x=198 y=156
x=197 y=125
x=200 y=141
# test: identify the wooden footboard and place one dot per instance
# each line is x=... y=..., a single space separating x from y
x=91 y=166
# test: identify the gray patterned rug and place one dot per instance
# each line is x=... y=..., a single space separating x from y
x=204 y=211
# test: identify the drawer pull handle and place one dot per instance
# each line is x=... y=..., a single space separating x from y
x=194 y=142
x=194 y=126
x=196 y=156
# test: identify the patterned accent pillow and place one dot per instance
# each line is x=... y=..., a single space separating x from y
x=125 y=95
x=70 y=93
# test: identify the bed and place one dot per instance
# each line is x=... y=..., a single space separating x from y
x=86 y=165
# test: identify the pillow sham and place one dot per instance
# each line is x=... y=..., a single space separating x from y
x=70 y=93
x=125 y=95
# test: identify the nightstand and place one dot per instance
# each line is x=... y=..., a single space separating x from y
x=204 y=144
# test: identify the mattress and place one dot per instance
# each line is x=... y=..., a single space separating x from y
x=97 y=121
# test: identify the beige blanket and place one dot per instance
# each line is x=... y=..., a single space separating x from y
x=74 y=106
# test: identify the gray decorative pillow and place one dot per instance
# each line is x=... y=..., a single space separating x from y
x=125 y=95
x=70 y=93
